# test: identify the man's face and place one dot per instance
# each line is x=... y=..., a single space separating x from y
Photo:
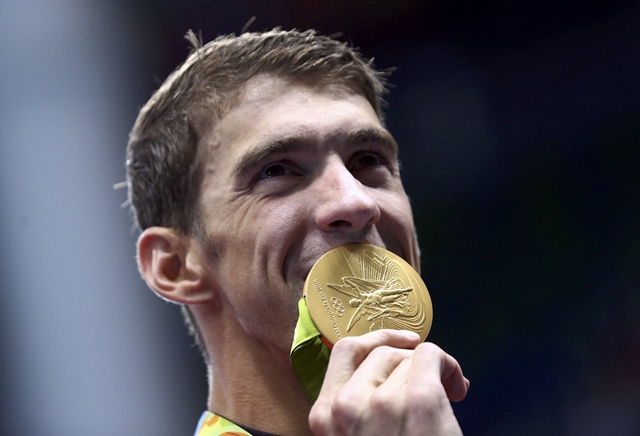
x=295 y=171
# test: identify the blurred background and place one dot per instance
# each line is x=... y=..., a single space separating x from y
x=519 y=126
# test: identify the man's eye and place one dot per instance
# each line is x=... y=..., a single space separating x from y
x=368 y=159
x=276 y=169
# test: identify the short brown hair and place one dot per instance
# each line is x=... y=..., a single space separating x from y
x=163 y=171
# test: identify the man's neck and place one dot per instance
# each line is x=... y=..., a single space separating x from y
x=253 y=384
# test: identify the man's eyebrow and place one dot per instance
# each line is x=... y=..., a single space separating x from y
x=302 y=142
x=262 y=151
x=373 y=134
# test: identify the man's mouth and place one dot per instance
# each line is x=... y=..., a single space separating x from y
x=308 y=268
x=309 y=256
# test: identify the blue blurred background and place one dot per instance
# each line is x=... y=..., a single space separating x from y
x=519 y=126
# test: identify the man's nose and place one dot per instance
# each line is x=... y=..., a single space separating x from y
x=345 y=204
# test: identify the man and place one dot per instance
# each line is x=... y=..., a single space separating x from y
x=258 y=155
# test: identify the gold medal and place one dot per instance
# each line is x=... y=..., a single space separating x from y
x=355 y=289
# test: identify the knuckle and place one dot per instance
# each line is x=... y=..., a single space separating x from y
x=320 y=418
x=385 y=402
x=349 y=344
x=426 y=398
x=429 y=348
x=390 y=354
x=345 y=406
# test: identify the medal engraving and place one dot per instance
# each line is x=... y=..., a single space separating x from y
x=355 y=289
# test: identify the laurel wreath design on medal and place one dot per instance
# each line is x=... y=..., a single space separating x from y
x=371 y=289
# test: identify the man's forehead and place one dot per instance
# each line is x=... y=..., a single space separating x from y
x=263 y=88
x=274 y=107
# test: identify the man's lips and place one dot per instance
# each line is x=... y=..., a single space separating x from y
x=300 y=261
x=308 y=267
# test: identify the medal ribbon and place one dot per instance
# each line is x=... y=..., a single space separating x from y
x=309 y=354
x=211 y=424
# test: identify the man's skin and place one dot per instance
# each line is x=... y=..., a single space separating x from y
x=293 y=171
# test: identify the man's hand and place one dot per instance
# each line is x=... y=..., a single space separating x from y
x=388 y=383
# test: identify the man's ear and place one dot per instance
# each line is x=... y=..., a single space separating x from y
x=172 y=265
